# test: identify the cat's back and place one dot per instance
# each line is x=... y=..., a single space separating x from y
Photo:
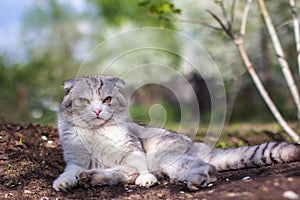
x=157 y=139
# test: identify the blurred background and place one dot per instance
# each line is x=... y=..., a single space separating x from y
x=43 y=43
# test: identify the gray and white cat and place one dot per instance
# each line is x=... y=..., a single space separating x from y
x=103 y=147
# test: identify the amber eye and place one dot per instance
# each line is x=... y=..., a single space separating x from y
x=84 y=101
x=107 y=99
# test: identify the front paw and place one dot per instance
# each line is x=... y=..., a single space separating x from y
x=84 y=179
x=101 y=177
x=201 y=177
x=64 y=182
x=146 y=180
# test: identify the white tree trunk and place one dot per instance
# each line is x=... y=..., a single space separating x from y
x=280 y=55
x=264 y=93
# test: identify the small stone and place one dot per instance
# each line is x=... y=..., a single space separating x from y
x=227 y=179
x=290 y=179
x=290 y=195
x=1 y=136
x=264 y=189
x=210 y=192
x=44 y=138
x=128 y=190
x=187 y=195
x=50 y=142
x=231 y=194
x=44 y=198
x=245 y=178
x=181 y=192
x=210 y=185
x=160 y=195
x=27 y=191
x=276 y=184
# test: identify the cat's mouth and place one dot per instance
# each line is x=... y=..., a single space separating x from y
x=98 y=118
x=98 y=121
x=102 y=118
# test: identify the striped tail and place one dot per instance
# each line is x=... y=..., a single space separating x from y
x=254 y=156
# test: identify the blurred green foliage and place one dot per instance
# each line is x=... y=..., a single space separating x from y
x=160 y=7
x=52 y=38
x=140 y=113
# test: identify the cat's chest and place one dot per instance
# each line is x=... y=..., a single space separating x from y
x=117 y=135
x=105 y=138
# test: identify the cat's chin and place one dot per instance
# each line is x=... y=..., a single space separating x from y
x=98 y=122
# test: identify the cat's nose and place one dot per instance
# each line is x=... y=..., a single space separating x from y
x=98 y=111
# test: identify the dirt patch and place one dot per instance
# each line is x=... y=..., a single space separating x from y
x=31 y=158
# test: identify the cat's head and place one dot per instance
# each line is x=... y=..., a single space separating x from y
x=93 y=101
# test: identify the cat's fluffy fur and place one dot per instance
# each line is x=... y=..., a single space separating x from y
x=102 y=146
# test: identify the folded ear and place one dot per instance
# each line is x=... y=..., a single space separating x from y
x=116 y=82
x=69 y=84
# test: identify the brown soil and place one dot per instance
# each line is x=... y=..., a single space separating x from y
x=30 y=163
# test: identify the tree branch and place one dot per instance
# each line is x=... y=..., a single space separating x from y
x=296 y=31
x=232 y=12
x=228 y=31
x=265 y=95
x=244 y=18
x=238 y=41
x=229 y=25
x=259 y=85
x=189 y=21
x=280 y=56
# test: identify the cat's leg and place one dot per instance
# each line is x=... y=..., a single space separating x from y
x=193 y=170
x=67 y=179
x=94 y=177
x=201 y=176
x=138 y=160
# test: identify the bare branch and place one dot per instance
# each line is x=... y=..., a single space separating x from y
x=244 y=18
x=198 y=23
x=280 y=56
x=239 y=43
x=229 y=25
x=296 y=30
x=259 y=85
x=227 y=30
x=283 y=24
x=264 y=94
x=232 y=12
x=189 y=21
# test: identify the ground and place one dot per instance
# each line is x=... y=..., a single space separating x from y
x=31 y=158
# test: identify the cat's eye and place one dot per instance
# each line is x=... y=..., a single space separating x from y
x=107 y=99
x=84 y=101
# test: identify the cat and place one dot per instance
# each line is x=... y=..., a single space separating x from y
x=102 y=146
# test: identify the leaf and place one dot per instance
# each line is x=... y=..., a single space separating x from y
x=153 y=9
x=176 y=11
x=143 y=3
x=165 y=7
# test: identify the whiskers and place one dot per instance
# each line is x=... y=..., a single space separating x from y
x=120 y=116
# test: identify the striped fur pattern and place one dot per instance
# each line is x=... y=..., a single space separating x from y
x=103 y=147
x=254 y=156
